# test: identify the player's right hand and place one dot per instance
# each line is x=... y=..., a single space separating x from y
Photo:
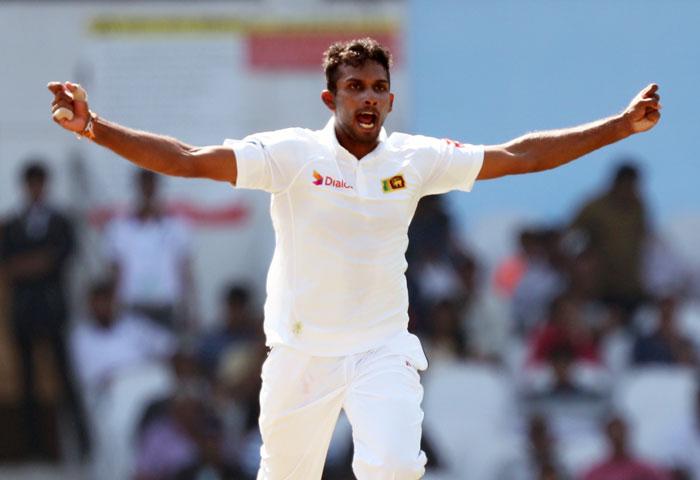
x=64 y=98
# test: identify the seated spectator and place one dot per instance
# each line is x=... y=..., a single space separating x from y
x=188 y=369
x=615 y=341
x=237 y=402
x=446 y=341
x=434 y=279
x=540 y=460
x=582 y=278
x=508 y=272
x=666 y=344
x=187 y=376
x=563 y=358
x=664 y=271
x=120 y=361
x=239 y=327
x=541 y=282
x=110 y=342
x=484 y=317
x=564 y=378
x=185 y=442
x=430 y=275
x=621 y=464
x=431 y=228
x=564 y=328
x=607 y=323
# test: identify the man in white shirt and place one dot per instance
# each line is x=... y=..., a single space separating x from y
x=149 y=253
x=110 y=343
x=342 y=200
x=121 y=361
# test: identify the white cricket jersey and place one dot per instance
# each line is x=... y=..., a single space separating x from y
x=336 y=284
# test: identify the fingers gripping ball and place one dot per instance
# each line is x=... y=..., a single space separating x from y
x=79 y=95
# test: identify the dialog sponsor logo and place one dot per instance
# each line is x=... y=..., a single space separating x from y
x=329 y=181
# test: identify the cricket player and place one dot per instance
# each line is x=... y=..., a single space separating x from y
x=342 y=199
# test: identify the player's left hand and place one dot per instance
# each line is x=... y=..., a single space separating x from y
x=643 y=111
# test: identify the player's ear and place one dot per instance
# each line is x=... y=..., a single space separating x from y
x=328 y=98
x=391 y=102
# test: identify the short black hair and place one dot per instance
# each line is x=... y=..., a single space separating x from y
x=625 y=172
x=354 y=53
x=237 y=294
x=35 y=169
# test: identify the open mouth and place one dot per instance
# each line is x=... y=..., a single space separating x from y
x=367 y=120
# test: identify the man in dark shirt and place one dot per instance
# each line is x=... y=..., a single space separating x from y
x=614 y=225
x=34 y=251
x=666 y=344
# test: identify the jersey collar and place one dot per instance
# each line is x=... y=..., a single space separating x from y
x=328 y=133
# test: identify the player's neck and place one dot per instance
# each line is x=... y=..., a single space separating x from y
x=357 y=148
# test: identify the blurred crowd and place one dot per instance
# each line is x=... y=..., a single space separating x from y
x=576 y=357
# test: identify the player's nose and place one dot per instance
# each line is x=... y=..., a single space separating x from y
x=371 y=100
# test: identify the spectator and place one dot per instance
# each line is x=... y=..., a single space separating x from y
x=34 y=250
x=564 y=358
x=431 y=248
x=431 y=229
x=665 y=272
x=238 y=387
x=614 y=227
x=621 y=464
x=185 y=442
x=540 y=283
x=666 y=344
x=540 y=460
x=149 y=252
x=509 y=271
x=120 y=360
x=447 y=341
x=239 y=327
x=111 y=342
x=607 y=324
x=615 y=341
x=564 y=328
x=484 y=319
x=563 y=379
x=583 y=287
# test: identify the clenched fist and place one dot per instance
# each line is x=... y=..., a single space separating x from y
x=69 y=107
x=643 y=111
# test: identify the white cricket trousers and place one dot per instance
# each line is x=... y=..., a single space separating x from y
x=379 y=390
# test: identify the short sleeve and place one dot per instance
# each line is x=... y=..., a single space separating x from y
x=455 y=167
x=270 y=161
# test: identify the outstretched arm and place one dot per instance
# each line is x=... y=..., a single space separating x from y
x=159 y=153
x=539 y=151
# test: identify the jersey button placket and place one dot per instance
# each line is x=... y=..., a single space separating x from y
x=360 y=179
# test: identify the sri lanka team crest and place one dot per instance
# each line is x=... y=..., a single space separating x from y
x=396 y=182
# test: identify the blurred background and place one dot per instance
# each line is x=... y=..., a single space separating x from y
x=560 y=312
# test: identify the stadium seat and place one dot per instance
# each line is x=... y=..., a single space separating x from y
x=469 y=413
x=656 y=401
x=116 y=415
